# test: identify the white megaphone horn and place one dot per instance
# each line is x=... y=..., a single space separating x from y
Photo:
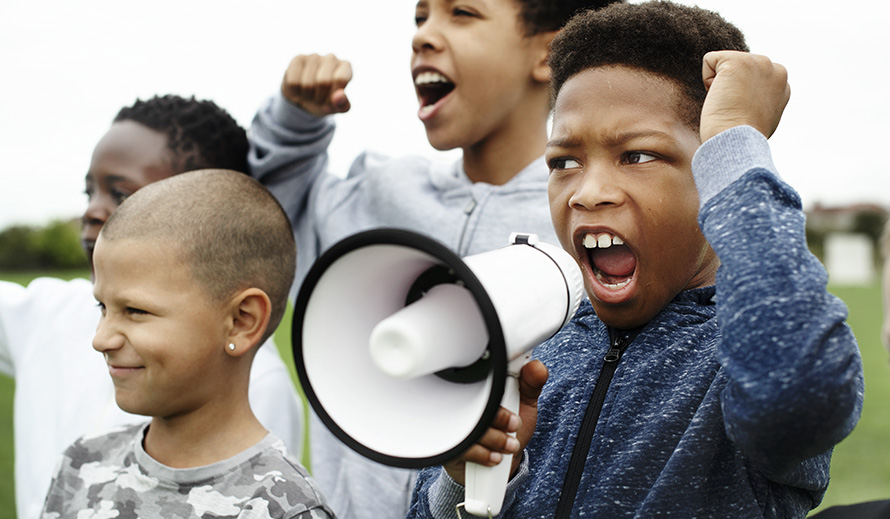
x=406 y=351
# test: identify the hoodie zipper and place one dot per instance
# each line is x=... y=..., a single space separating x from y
x=468 y=211
x=575 y=470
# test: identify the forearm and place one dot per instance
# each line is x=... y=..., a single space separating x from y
x=795 y=373
x=288 y=151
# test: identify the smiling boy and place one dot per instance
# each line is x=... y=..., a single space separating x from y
x=62 y=387
x=191 y=275
x=710 y=373
x=481 y=78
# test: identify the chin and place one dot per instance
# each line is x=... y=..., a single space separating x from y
x=131 y=407
x=620 y=317
x=441 y=144
x=135 y=409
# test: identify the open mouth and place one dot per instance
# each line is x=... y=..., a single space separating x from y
x=431 y=87
x=612 y=262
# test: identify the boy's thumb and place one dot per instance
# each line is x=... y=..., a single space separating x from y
x=339 y=101
x=532 y=378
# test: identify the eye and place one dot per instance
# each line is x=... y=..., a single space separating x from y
x=638 y=157
x=420 y=14
x=89 y=190
x=135 y=311
x=119 y=196
x=458 y=11
x=560 y=163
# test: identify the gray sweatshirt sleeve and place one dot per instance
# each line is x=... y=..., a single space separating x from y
x=436 y=495
x=288 y=152
x=288 y=155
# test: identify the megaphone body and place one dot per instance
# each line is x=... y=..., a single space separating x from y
x=406 y=351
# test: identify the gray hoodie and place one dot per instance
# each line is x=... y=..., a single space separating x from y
x=289 y=156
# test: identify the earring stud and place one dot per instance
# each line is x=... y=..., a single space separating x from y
x=231 y=346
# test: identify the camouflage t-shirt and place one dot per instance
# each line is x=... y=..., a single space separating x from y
x=111 y=476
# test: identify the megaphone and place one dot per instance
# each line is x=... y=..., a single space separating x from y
x=406 y=351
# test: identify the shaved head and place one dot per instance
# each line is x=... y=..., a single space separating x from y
x=229 y=230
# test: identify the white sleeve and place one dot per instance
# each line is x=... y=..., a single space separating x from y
x=24 y=313
x=11 y=297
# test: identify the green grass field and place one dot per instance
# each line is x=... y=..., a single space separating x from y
x=860 y=466
x=860 y=469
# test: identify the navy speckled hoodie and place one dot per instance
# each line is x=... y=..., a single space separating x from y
x=727 y=404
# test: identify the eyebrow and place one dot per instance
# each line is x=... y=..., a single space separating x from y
x=615 y=138
x=108 y=179
x=425 y=3
x=568 y=142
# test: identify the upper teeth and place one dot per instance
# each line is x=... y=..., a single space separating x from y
x=425 y=78
x=602 y=241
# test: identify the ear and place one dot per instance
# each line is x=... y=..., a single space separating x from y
x=541 y=44
x=248 y=319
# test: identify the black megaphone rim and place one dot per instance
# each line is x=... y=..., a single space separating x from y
x=496 y=346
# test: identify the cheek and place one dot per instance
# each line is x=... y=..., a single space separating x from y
x=678 y=253
x=559 y=215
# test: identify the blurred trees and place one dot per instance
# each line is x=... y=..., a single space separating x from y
x=51 y=247
x=862 y=218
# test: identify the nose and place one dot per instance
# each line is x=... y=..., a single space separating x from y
x=107 y=337
x=597 y=188
x=428 y=37
x=98 y=210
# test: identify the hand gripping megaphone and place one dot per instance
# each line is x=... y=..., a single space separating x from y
x=406 y=351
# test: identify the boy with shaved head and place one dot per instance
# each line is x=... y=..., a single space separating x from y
x=192 y=275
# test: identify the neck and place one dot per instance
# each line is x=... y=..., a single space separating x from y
x=502 y=154
x=207 y=435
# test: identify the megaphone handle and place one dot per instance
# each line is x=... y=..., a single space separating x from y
x=486 y=486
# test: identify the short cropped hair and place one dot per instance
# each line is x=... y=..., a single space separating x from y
x=227 y=227
x=539 y=16
x=663 y=38
x=200 y=134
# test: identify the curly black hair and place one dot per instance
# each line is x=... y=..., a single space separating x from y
x=660 y=37
x=545 y=16
x=200 y=134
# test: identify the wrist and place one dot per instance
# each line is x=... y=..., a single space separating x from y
x=287 y=109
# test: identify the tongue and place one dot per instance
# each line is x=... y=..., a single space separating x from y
x=615 y=261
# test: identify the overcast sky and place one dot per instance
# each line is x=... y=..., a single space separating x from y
x=67 y=67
